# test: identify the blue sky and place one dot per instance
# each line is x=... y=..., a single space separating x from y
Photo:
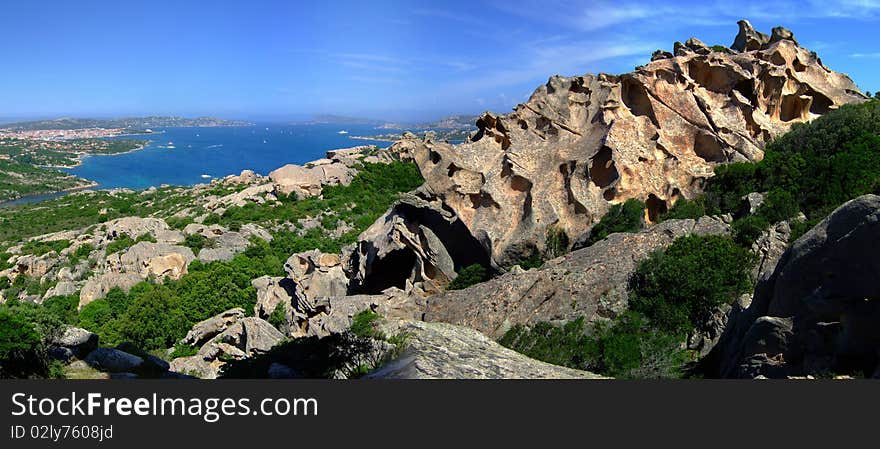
x=398 y=60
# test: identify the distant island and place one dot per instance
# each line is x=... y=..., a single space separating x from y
x=458 y=121
x=127 y=123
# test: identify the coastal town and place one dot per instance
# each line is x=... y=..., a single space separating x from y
x=68 y=134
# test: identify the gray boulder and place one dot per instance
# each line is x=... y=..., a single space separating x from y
x=445 y=351
x=819 y=311
x=113 y=360
x=79 y=341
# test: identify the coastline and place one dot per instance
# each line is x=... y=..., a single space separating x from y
x=81 y=156
x=48 y=195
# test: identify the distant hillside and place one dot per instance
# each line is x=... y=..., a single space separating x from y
x=128 y=122
x=341 y=119
x=458 y=121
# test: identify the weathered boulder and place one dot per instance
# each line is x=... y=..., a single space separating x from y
x=113 y=360
x=272 y=292
x=134 y=227
x=196 y=366
x=418 y=243
x=581 y=144
x=334 y=315
x=590 y=283
x=96 y=287
x=316 y=274
x=62 y=288
x=748 y=39
x=308 y=181
x=152 y=259
x=251 y=335
x=256 y=194
x=79 y=341
x=819 y=311
x=204 y=330
x=444 y=351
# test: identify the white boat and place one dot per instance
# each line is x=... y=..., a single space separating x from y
x=342 y=132
x=207 y=176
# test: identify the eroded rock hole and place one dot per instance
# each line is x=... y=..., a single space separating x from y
x=655 y=207
x=708 y=148
x=821 y=104
x=747 y=88
x=635 y=97
x=392 y=270
x=602 y=170
x=793 y=108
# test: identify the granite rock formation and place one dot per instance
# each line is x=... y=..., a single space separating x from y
x=581 y=144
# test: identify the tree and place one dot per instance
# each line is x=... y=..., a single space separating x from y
x=677 y=289
x=22 y=354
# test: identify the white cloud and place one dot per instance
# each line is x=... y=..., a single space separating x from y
x=865 y=55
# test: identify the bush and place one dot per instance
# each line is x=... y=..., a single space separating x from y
x=38 y=248
x=120 y=244
x=556 y=242
x=468 y=276
x=626 y=347
x=195 y=242
x=746 y=230
x=22 y=354
x=153 y=320
x=677 y=289
x=626 y=217
x=366 y=325
x=684 y=209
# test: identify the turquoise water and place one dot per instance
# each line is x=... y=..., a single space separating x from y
x=218 y=152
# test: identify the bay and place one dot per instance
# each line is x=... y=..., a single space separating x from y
x=181 y=156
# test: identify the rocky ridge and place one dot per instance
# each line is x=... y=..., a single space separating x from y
x=581 y=144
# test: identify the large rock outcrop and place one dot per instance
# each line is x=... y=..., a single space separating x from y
x=445 y=351
x=590 y=282
x=418 y=244
x=819 y=312
x=583 y=143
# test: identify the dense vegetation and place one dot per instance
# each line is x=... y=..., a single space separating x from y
x=467 y=276
x=626 y=347
x=626 y=217
x=677 y=289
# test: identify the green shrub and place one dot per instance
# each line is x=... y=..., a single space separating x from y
x=556 y=242
x=178 y=222
x=278 y=318
x=366 y=325
x=153 y=320
x=684 y=208
x=22 y=354
x=145 y=237
x=121 y=243
x=747 y=229
x=181 y=350
x=195 y=242
x=81 y=252
x=38 y=248
x=626 y=347
x=468 y=276
x=677 y=289
x=626 y=217
x=724 y=191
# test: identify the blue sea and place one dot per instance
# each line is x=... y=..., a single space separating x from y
x=217 y=152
